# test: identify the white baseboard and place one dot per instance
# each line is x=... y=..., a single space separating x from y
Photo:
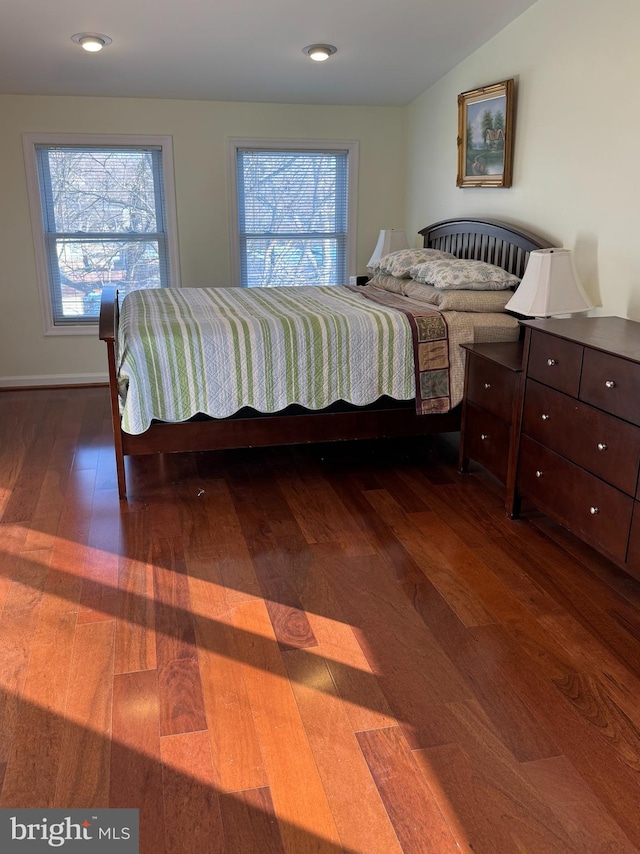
x=53 y=379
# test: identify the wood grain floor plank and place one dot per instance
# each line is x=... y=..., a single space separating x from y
x=135 y=629
x=83 y=774
x=397 y=489
x=135 y=626
x=191 y=800
x=54 y=485
x=180 y=689
x=250 y=823
x=484 y=784
x=18 y=623
x=16 y=433
x=452 y=505
x=278 y=551
x=296 y=788
x=463 y=580
x=78 y=496
x=317 y=509
x=580 y=811
x=135 y=772
x=25 y=494
x=67 y=562
x=427 y=540
x=420 y=826
x=414 y=673
x=363 y=701
x=483 y=817
x=519 y=584
x=585 y=732
x=99 y=599
x=361 y=819
x=12 y=538
x=426 y=599
x=194 y=506
x=591 y=658
x=42 y=533
x=235 y=748
x=228 y=551
x=51 y=499
x=32 y=767
x=580 y=593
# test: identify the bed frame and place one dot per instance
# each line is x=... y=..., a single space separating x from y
x=486 y=240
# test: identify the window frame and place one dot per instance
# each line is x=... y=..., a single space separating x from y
x=40 y=240
x=352 y=148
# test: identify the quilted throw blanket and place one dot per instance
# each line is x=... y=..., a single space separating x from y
x=432 y=355
x=216 y=350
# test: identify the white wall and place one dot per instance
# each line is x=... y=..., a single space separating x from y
x=577 y=66
x=577 y=140
x=200 y=130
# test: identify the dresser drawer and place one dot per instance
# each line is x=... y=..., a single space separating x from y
x=491 y=386
x=486 y=440
x=612 y=384
x=594 y=440
x=555 y=362
x=583 y=503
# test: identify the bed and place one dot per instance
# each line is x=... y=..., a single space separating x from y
x=424 y=403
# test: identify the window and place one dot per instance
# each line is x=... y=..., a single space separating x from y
x=100 y=217
x=294 y=213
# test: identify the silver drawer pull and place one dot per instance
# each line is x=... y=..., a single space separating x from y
x=551 y=362
x=538 y=473
x=487 y=385
x=483 y=436
x=610 y=384
x=594 y=511
x=602 y=446
x=545 y=417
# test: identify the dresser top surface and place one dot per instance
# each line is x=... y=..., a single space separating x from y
x=505 y=353
x=615 y=335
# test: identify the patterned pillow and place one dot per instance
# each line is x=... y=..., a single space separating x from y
x=459 y=274
x=399 y=263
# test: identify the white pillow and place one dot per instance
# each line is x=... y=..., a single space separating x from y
x=460 y=274
x=399 y=263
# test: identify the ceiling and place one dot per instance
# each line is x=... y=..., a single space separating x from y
x=389 y=51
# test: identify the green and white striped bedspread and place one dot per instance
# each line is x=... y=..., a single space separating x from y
x=216 y=350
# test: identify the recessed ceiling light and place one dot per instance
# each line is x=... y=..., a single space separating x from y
x=93 y=42
x=319 y=52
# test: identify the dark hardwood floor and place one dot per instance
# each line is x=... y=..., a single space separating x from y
x=320 y=649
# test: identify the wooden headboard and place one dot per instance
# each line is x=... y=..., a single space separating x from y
x=484 y=240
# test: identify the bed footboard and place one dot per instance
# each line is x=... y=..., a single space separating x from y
x=108 y=332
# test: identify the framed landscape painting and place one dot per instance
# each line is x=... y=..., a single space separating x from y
x=485 y=136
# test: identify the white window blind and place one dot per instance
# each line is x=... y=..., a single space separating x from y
x=293 y=216
x=104 y=222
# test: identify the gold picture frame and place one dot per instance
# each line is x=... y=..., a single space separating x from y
x=485 y=136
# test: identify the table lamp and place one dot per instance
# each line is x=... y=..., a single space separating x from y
x=550 y=286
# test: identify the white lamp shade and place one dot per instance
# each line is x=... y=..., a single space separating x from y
x=550 y=285
x=389 y=240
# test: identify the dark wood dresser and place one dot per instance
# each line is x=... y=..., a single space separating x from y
x=491 y=381
x=579 y=431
